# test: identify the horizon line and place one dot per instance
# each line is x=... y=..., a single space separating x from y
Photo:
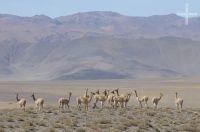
x=71 y=14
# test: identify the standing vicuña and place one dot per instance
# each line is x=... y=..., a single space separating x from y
x=178 y=101
x=38 y=101
x=84 y=100
x=142 y=99
x=100 y=97
x=63 y=102
x=118 y=99
x=110 y=98
x=156 y=100
x=21 y=102
x=127 y=98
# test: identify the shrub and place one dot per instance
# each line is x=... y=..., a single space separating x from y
x=1 y=129
x=81 y=129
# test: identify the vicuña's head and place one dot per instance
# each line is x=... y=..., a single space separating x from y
x=33 y=95
x=92 y=93
x=97 y=92
x=176 y=94
x=105 y=91
x=117 y=91
x=17 y=97
x=113 y=92
x=161 y=95
x=135 y=91
x=129 y=94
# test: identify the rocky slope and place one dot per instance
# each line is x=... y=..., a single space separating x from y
x=98 y=45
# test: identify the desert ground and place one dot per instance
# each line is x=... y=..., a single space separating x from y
x=131 y=119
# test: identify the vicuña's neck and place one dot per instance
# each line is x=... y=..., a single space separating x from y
x=34 y=98
x=69 y=97
x=136 y=94
x=86 y=92
x=17 y=98
x=90 y=98
x=117 y=93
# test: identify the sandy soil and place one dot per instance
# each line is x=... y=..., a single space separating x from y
x=52 y=91
x=165 y=118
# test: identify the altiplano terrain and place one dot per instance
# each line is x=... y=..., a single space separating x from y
x=132 y=118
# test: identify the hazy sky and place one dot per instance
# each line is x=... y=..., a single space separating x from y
x=54 y=8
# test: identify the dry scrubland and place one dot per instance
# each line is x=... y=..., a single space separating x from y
x=106 y=120
x=165 y=118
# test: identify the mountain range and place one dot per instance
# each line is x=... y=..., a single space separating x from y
x=98 y=45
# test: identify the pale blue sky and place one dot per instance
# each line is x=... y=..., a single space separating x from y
x=55 y=8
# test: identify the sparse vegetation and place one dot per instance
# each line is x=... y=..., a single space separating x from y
x=97 y=120
x=2 y=129
x=49 y=130
x=81 y=130
x=132 y=118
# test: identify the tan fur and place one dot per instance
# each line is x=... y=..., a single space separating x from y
x=126 y=99
x=156 y=100
x=100 y=97
x=38 y=101
x=21 y=102
x=118 y=99
x=178 y=102
x=110 y=99
x=141 y=99
x=63 y=102
x=85 y=100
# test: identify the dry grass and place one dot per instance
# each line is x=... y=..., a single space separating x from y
x=81 y=130
x=49 y=130
x=165 y=118
x=2 y=129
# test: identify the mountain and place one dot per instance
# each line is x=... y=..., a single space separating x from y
x=98 y=45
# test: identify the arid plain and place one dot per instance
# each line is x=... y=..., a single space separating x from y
x=132 y=118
